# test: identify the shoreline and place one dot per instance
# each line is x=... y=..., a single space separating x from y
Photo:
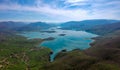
x=52 y=38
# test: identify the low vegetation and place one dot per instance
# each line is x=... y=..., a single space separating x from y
x=103 y=55
x=18 y=53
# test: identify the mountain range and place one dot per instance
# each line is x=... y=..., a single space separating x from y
x=86 y=24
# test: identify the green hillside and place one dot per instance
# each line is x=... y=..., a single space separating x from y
x=18 y=53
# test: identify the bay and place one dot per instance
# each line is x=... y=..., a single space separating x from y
x=64 y=39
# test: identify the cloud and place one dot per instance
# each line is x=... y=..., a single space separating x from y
x=75 y=1
x=97 y=9
x=46 y=9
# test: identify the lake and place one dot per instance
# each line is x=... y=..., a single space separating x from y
x=64 y=39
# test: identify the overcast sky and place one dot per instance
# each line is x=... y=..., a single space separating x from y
x=58 y=10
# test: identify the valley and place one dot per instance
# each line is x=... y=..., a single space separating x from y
x=73 y=46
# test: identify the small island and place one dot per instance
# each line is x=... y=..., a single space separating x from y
x=48 y=31
x=62 y=34
x=49 y=38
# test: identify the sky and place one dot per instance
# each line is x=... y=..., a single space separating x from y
x=58 y=10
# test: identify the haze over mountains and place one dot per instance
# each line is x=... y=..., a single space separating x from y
x=9 y=25
x=86 y=24
x=36 y=26
x=105 y=28
x=94 y=26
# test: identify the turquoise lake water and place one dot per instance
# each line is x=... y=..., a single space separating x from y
x=71 y=40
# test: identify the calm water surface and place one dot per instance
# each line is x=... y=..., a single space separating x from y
x=71 y=40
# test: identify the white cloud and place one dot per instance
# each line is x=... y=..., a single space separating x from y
x=74 y=1
x=97 y=11
x=70 y=3
x=46 y=9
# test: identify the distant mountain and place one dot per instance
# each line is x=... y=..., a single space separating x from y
x=100 y=27
x=105 y=28
x=86 y=24
x=36 y=26
x=21 y=26
x=10 y=25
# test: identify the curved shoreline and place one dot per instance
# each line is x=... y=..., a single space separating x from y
x=81 y=43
